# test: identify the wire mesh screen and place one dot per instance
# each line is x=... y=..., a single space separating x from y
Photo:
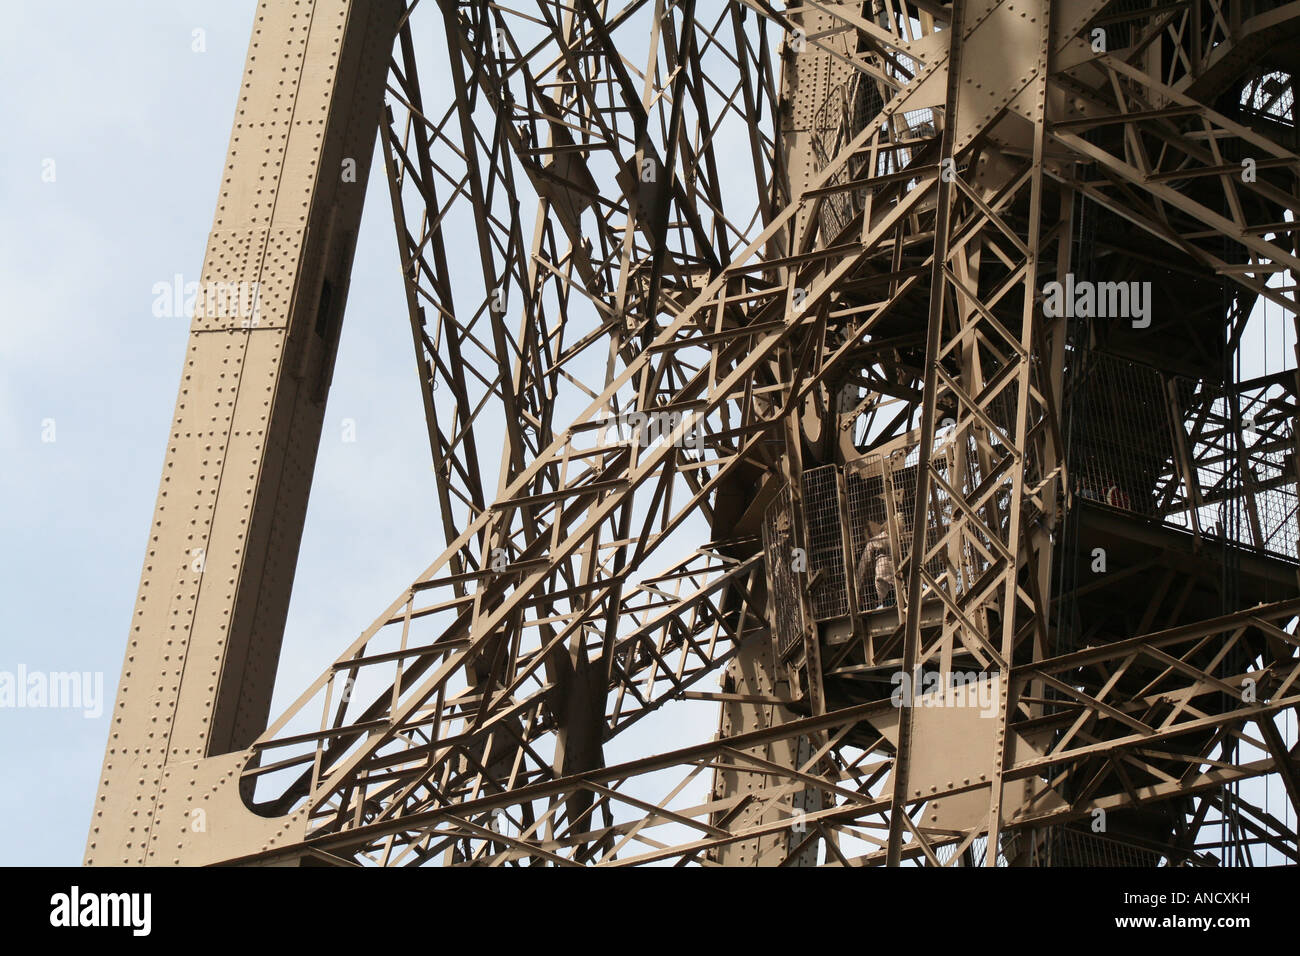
x=864 y=487
x=1125 y=444
x=881 y=493
x=962 y=464
x=1272 y=96
x=785 y=612
x=901 y=482
x=882 y=498
x=828 y=593
x=848 y=108
x=1056 y=847
x=974 y=855
x=1190 y=454
x=1066 y=846
x=1245 y=488
x=1183 y=452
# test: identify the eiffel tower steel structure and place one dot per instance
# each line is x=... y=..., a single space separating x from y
x=758 y=304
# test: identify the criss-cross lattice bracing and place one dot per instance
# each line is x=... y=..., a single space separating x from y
x=766 y=318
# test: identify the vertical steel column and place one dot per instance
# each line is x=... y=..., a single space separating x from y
x=218 y=570
x=912 y=632
x=809 y=75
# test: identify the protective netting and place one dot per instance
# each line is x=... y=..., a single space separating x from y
x=1193 y=455
x=779 y=544
x=828 y=593
x=849 y=108
x=1147 y=443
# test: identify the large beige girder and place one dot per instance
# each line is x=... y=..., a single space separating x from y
x=205 y=636
x=769 y=246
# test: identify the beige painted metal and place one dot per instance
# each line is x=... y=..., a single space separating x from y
x=205 y=635
x=906 y=250
x=809 y=76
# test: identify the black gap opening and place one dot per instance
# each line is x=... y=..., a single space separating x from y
x=323 y=310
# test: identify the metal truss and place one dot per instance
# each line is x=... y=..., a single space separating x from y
x=719 y=245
